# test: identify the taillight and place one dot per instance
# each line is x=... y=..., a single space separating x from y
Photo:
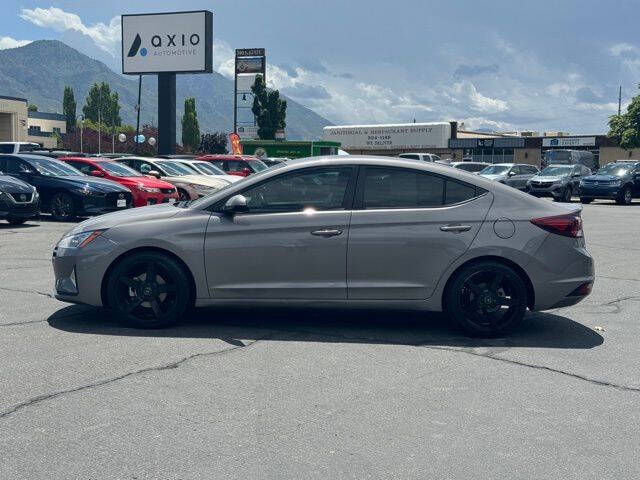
x=566 y=225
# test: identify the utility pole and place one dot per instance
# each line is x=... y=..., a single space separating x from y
x=135 y=140
x=620 y=100
x=99 y=130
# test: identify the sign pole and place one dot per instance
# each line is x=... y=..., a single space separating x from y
x=166 y=113
x=235 y=95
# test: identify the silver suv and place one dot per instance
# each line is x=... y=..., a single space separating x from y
x=558 y=181
x=513 y=174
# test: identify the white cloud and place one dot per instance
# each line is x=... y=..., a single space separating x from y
x=472 y=123
x=105 y=36
x=465 y=92
x=8 y=42
x=621 y=49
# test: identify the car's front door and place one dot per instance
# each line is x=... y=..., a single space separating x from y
x=290 y=244
x=407 y=227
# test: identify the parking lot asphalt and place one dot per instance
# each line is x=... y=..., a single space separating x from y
x=240 y=393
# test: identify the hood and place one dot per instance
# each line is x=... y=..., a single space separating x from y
x=131 y=215
x=101 y=185
x=208 y=181
x=603 y=178
x=13 y=185
x=548 y=179
x=230 y=178
x=146 y=181
x=493 y=177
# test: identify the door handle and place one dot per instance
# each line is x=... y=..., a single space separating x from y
x=326 y=232
x=455 y=228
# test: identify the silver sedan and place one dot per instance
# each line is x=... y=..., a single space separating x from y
x=342 y=230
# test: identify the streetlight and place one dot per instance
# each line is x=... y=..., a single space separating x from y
x=81 y=117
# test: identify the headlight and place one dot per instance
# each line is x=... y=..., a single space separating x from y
x=79 y=240
x=84 y=190
x=581 y=183
x=616 y=183
x=202 y=189
x=35 y=192
x=142 y=188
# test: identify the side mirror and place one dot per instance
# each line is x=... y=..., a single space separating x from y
x=97 y=173
x=154 y=173
x=236 y=204
x=246 y=172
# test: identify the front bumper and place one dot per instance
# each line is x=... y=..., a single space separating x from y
x=544 y=191
x=79 y=272
x=98 y=204
x=609 y=192
x=142 y=199
x=12 y=207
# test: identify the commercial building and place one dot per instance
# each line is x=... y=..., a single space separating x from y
x=450 y=140
x=17 y=124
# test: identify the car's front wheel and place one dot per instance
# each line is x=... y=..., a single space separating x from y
x=486 y=299
x=149 y=290
x=625 y=197
x=586 y=200
x=62 y=207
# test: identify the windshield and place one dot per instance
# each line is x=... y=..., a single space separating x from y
x=257 y=165
x=555 y=171
x=495 y=170
x=209 y=169
x=53 y=168
x=193 y=169
x=174 y=169
x=618 y=169
x=119 y=170
x=558 y=156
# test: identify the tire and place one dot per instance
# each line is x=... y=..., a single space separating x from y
x=62 y=207
x=568 y=194
x=183 y=196
x=16 y=220
x=626 y=197
x=486 y=299
x=586 y=200
x=157 y=303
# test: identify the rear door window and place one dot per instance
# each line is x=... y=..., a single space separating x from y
x=401 y=188
x=6 y=148
x=457 y=192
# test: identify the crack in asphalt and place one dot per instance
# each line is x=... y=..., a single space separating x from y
x=49 y=396
x=488 y=356
x=619 y=278
x=27 y=291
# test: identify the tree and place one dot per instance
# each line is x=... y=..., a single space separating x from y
x=69 y=108
x=213 y=143
x=102 y=105
x=190 y=127
x=32 y=108
x=269 y=110
x=625 y=128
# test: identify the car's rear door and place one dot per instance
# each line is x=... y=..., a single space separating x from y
x=290 y=244
x=407 y=227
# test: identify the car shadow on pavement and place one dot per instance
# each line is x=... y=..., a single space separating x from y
x=232 y=325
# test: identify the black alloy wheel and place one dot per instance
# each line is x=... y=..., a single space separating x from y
x=486 y=299
x=626 y=196
x=149 y=290
x=568 y=194
x=62 y=207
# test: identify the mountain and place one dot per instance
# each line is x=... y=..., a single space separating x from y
x=40 y=70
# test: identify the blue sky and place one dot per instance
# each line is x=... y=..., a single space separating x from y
x=549 y=65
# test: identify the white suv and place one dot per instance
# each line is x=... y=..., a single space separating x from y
x=425 y=157
x=16 y=147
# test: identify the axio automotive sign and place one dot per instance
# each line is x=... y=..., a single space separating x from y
x=179 y=42
x=569 y=142
x=390 y=137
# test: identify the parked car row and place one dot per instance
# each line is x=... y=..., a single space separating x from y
x=70 y=184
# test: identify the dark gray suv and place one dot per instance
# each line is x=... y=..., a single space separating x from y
x=558 y=181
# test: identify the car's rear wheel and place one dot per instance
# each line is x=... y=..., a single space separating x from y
x=625 y=197
x=486 y=299
x=586 y=200
x=149 y=290
x=16 y=220
x=62 y=207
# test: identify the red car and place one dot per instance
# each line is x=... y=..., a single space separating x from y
x=145 y=190
x=242 y=166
